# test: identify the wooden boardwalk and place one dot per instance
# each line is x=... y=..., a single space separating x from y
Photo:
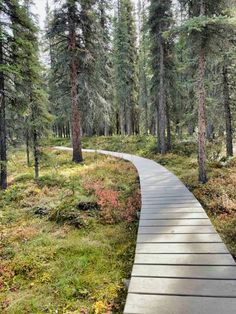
x=181 y=264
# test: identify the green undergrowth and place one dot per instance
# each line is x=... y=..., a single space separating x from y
x=218 y=196
x=67 y=239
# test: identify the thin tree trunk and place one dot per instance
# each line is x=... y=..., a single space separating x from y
x=146 y=108
x=122 y=120
x=129 y=117
x=228 y=115
x=35 y=139
x=36 y=153
x=75 y=119
x=158 y=131
x=168 y=127
x=3 y=145
x=117 y=124
x=162 y=105
x=201 y=113
x=27 y=147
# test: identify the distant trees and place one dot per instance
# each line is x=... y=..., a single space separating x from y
x=165 y=77
x=125 y=67
x=160 y=20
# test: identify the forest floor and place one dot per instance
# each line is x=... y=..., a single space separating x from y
x=67 y=240
x=218 y=196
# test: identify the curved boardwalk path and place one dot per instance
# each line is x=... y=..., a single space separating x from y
x=181 y=264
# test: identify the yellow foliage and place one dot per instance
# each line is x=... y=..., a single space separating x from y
x=100 y=307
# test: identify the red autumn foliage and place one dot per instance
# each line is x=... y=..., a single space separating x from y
x=112 y=209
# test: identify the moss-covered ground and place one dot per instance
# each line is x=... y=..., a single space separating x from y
x=67 y=240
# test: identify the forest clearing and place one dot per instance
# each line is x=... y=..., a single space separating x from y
x=117 y=162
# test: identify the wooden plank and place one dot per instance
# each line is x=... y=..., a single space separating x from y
x=181 y=248
x=153 y=204
x=175 y=222
x=163 y=190
x=160 y=196
x=182 y=286
x=171 y=271
x=164 y=304
x=169 y=200
x=173 y=216
x=173 y=194
x=148 y=210
x=177 y=229
x=185 y=259
x=178 y=238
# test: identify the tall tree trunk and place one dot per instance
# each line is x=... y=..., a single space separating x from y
x=228 y=116
x=201 y=109
x=162 y=105
x=75 y=119
x=3 y=146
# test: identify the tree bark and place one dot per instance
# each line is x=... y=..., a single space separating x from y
x=75 y=119
x=3 y=145
x=162 y=105
x=201 y=119
x=228 y=115
x=201 y=107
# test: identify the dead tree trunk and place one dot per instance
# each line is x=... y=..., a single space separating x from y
x=228 y=115
x=75 y=119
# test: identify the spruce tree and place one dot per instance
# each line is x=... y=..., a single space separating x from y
x=125 y=66
x=160 y=19
x=14 y=24
x=203 y=27
x=144 y=66
x=66 y=39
